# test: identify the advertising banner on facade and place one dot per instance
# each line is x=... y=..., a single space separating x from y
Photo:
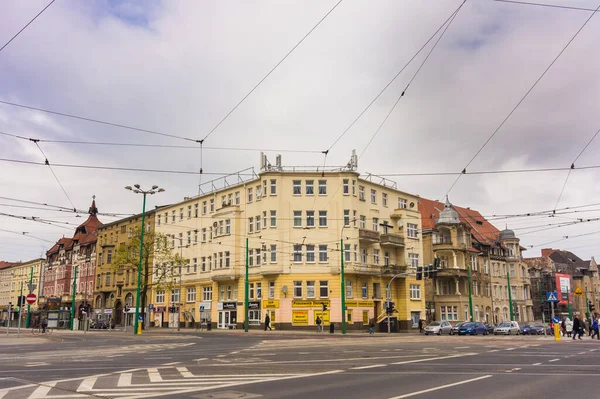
x=563 y=287
x=361 y=304
x=298 y=303
x=323 y=315
x=300 y=317
x=271 y=303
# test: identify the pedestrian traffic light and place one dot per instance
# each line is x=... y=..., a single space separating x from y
x=126 y=308
x=324 y=307
x=591 y=306
x=419 y=273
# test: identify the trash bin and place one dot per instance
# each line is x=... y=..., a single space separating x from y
x=331 y=328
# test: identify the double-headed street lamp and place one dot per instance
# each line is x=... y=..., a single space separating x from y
x=136 y=189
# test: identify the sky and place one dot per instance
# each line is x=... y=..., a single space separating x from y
x=180 y=67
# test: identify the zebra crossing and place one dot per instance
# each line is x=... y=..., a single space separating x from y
x=141 y=383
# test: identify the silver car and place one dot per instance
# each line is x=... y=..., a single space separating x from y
x=507 y=328
x=439 y=328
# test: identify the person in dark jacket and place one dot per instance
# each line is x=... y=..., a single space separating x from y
x=595 y=328
x=267 y=322
x=577 y=327
x=420 y=325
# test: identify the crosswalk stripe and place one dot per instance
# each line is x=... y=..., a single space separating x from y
x=125 y=380
x=87 y=384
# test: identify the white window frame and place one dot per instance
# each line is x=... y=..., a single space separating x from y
x=323 y=285
x=296 y=187
x=323 y=258
x=311 y=289
x=412 y=230
x=297 y=289
x=191 y=294
x=415 y=292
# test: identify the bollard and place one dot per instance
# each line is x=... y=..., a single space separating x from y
x=139 y=329
x=556 y=332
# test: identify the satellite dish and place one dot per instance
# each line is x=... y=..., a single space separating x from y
x=400 y=223
x=284 y=289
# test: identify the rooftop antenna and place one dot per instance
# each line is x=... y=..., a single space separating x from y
x=353 y=163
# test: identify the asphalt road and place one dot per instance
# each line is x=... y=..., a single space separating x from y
x=274 y=365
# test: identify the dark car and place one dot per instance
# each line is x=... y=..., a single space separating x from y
x=473 y=328
x=99 y=325
x=538 y=329
x=490 y=328
x=524 y=329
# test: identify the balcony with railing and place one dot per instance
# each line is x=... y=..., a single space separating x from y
x=270 y=269
x=392 y=240
x=368 y=236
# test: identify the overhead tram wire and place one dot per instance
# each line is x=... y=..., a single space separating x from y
x=392 y=80
x=270 y=71
x=61 y=208
x=521 y=101
x=187 y=147
x=411 y=80
x=55 y=176
x=546 y=5
x=26 y=234
x=573 y=167
x=25 y=27
x=565 y=238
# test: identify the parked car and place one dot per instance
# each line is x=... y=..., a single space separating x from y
x=473 y=328
x=507 y=328
x=490 y=328
x=456 y=327
x=439 y=328
x=524 y=329
x=538 y=329
x=99 y=325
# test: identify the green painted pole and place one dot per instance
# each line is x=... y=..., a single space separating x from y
x=246 y=291
x=29 y=306
x=139 y=282
x=587 y=306
x=510 y=302
x=470 y=292
x=71 y=323
x=343 y=295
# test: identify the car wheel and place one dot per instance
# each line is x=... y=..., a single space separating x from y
x=439 y=332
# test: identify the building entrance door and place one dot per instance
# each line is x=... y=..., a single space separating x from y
x=227 y=318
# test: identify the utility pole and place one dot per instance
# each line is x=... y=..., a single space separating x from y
x=389 y=295
x=542 y=307
x=31 y=290
x=71 y=323
x=569 y=303
x=470 y=293
x=20 y=309
x=180 y=292
x=138 y=190
x=587 y=305
x=510 y=302
x=9 y=317
x=343 y=282
x=246 y=293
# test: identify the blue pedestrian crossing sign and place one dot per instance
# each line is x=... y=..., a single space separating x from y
x=555 y=320
x=552 y=296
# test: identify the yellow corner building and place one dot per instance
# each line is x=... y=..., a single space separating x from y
x=294 y=223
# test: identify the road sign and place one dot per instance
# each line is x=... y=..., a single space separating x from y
x=578 y=292
x=201 y=308
x=552 y=296
x=555 y=319
x=140 y=318
x=31 y=298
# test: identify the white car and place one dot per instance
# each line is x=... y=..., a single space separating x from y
x=508 y=328
x=439 y=328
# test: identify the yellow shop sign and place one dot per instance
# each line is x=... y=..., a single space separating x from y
x=300 y=317
x=359 y=304
x=270 y=304
x=298 y=303
x=323 y=315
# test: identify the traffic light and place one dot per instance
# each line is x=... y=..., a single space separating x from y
x=434 y=268
x=591 y=306
x=389 y=307
x=126 y=308
x=426 y=271
x=419 y=273
x=324 y=307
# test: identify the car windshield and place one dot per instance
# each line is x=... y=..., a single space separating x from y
x=504 y=325
x=435 y=323
x=467 y=325
x=538 y=325
x=526 y=326
x=459 y=324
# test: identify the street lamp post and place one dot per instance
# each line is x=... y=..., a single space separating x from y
x=389 y=296
x=180 y=291
x=510 y=302
x=138 y=190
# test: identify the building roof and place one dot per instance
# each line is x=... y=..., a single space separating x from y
x=482 y=230
x=85 y=233
x=4 y=265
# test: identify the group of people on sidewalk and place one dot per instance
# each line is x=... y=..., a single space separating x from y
x=577 y=327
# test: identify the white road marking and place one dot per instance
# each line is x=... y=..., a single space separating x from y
x=554 y=360
x=154 y=375
x=408 y=395
x=233 y=353
x=185 y=373
x=172 y=363
x=221 y=355
x=125 y=380
x=372 y=366
x=434 y=358
x=511 y=370
x=510 y=349
x=461 y=347
x=536 y=364
x=494 y=350
x=87 y=384
x=201 y=359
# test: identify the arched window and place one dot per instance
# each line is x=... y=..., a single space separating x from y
x=98 y=302
x=476 y=313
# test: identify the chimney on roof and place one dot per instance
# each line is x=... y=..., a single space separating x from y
x=547 y=252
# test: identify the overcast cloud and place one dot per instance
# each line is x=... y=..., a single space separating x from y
x=179 y=67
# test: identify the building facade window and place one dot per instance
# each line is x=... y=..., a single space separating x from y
x=322 y=187
x=297 y=253
x=373 y=196
x=273 y=218
x=310 y=187
x=364 y=290
x=191 y=294
x=361 y=193
x=415 y=291
x=401 y=203
x=346 y=217
x=411 y=230
x=175 y=296
x=160 y=296
x=310 y=254
x=297 y=289
x=384 y=199
x=323 y=253
x=449 y=313
x=349 y=290
x=375 y=224
x=414 y=260
x=322 y=218
x=297 y=187
x=376 y=256
x=346 y=185
x=273 y=253
x=207 y=293
x=310 y=289
x=310 y=218
x=323 y=289
x=362 y=222
x=297 y=218
x=273 y=186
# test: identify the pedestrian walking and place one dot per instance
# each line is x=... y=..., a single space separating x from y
x=319 y=328
x=587 y=326
x=595 y=329
x=421 y=326
x=568 y=327
x=44 y=325
x=577 y=327
x=267 y=322
x=563 y=327
x=372 y=326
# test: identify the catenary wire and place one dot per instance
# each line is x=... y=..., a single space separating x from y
x=391 y=81
x=60 y=208
x=521 y=101
x=411 y=80
x=546 y=5
x=187 y=147
x=573 y=166
x=25 y=27
x=26 y=234
x=271 y=71
x=55 y=176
